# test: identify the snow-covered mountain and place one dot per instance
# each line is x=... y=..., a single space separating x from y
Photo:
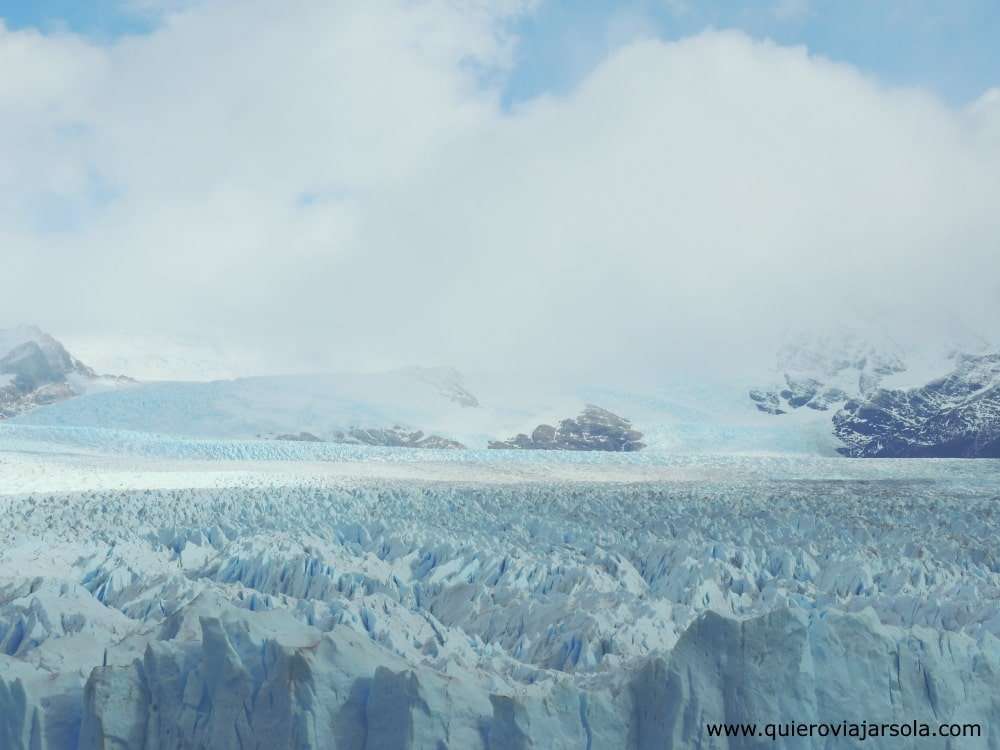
x=956 y=416
x=821 y=372
x=327 y=406
x=36 y=370
x=875 y=387
x=879 y=399
x=411 y=407
x=381 y=408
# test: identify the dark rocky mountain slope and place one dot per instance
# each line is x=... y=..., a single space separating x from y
x=36 y=370
x=957 y=416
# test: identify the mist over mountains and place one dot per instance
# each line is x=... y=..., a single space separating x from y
x=832 y=393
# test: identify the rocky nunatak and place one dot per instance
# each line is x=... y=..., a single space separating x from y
x=596 y=429
x=957 y=416
x=396 y=436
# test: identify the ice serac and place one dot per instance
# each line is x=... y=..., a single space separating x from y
x=20 y=720
x=341 y=692
x=330 y=612
x=957 y=416
x=792 y=666
x=596 y=429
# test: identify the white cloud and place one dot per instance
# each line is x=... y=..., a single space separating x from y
x=337 y=183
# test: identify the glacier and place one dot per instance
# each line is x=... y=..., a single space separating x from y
x=677 y=414
x=160 y=592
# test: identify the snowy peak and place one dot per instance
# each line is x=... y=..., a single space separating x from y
x=33 y=366
x=30 y=349
x=11 y=338
x=831 y=355
x=954 y=415
x=36 y=370
x=826 y=370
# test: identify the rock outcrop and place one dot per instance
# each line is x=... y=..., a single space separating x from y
x=393 y=437
x=396 y=436
x=302 y=437
x=596 y=429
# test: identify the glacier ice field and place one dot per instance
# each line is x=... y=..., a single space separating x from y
x=159 y=592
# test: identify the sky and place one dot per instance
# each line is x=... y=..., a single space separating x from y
x=655 y=185
x=948 y=46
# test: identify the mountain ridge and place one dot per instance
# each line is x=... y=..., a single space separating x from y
x=37 y=370
x=955 y=416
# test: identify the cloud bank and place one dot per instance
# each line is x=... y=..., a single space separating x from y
x=338 y=185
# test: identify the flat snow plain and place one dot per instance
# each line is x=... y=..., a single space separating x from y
x=166 y=593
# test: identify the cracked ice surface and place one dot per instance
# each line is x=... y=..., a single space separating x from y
x=516 y=603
